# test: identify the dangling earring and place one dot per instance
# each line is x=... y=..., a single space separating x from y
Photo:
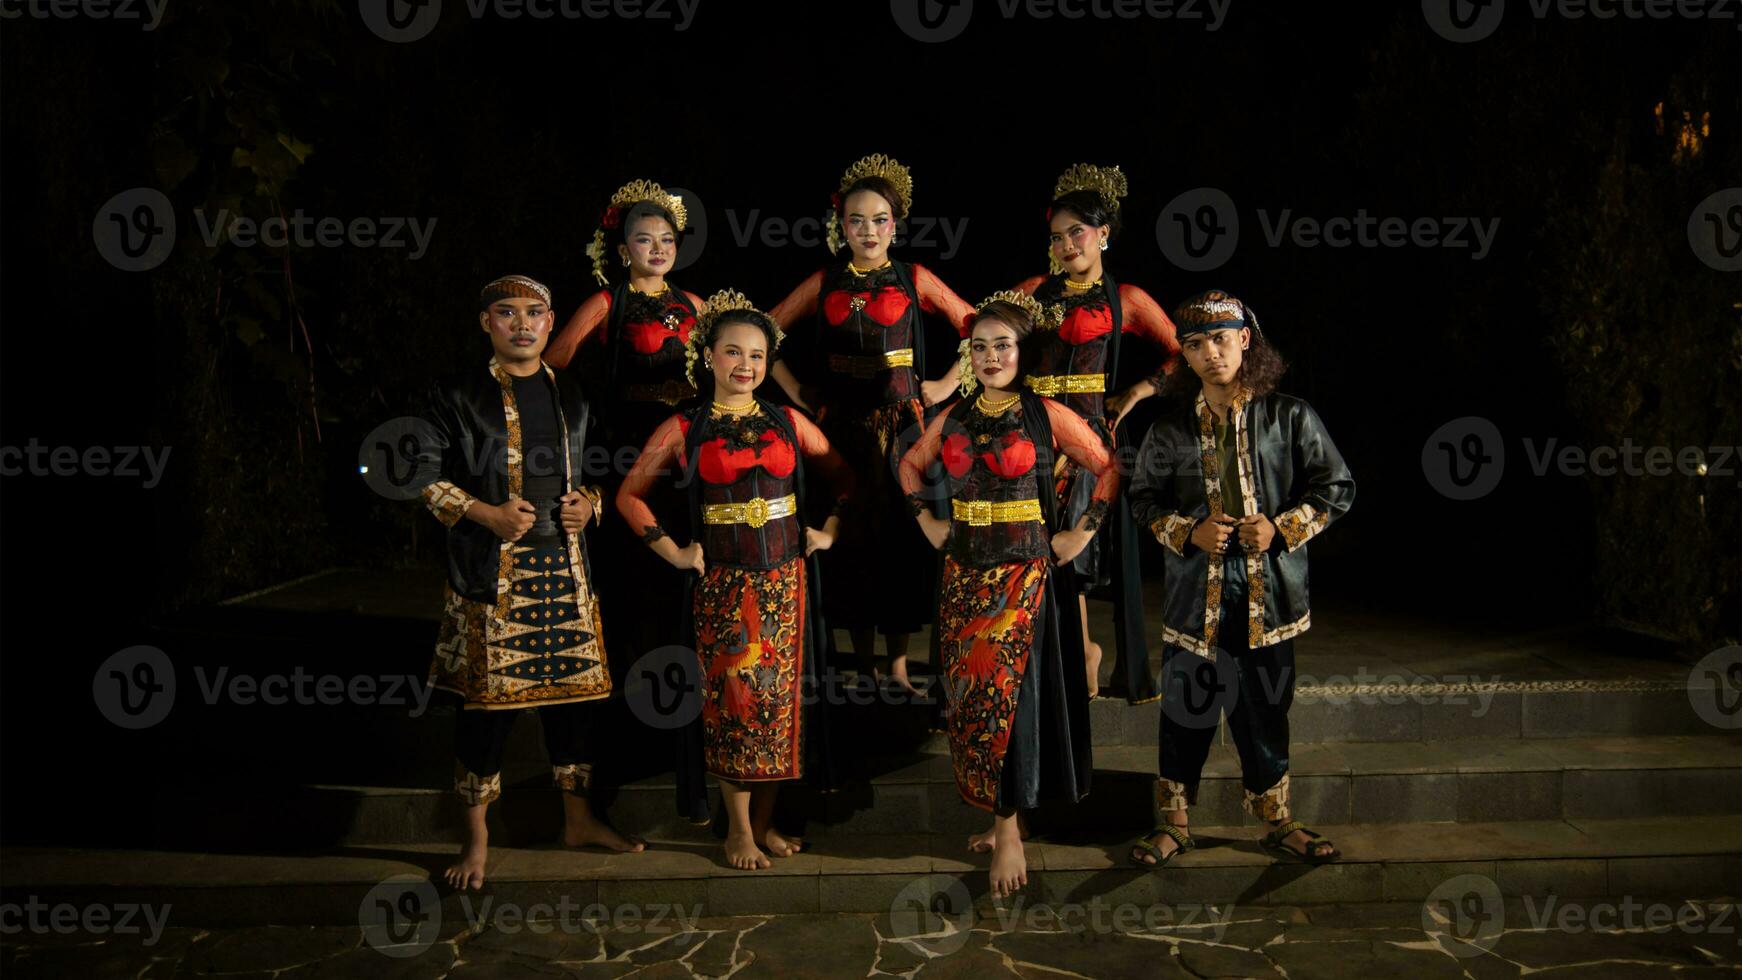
x=626 y=258
x=1103 y=244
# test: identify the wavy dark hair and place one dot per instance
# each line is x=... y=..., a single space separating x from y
x=1260 y=369
x=1020 y=323
x=878 y=186
x=1091 y=207
x=638 y=211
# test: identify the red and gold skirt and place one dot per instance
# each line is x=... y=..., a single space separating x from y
x=986 y=624
x=750 y=626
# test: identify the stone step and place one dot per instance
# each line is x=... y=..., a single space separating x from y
x=1335 y=783
x=1680 y=857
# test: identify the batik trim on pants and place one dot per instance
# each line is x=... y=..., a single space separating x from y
x=1272 y=804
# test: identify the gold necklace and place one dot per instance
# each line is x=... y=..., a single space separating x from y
x=1081 y=285
x=996 y=407
x=862 y=273
x=663 y=289
x=747 y=408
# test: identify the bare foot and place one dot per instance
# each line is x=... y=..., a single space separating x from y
x=594 y=832
x=743 y=854
x=468 y=871
x=779 y=844
x=1009 y=867
x=1092 y=661
x=898 y=674
x=982 y=842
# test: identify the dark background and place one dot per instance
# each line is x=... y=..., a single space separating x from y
x=1591 y=320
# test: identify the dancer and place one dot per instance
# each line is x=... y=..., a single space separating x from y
x=1076 y=364
x=754 y=617
x=1007 y=635
x=872 y=405
x=520 y=626
x=1233 y=481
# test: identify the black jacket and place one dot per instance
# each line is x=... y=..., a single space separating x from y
x=467 y=423
x=1294 y=476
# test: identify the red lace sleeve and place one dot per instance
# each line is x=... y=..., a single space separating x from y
x=695 y=301
x=801 y=304
x=1030 y=284
x=919 y=459
x=664 y=448
x=819 y=454
x=939 y=299
x=588 y=320
x=1073 y=437
x=1145 y=317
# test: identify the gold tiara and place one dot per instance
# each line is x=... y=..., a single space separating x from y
x=878 y=165
x=1044 y=317
x=1105 y=181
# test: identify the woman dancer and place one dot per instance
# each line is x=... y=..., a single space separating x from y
x=1007 y=634
x=871 y=334
x=753 y=613
x=1076 y=364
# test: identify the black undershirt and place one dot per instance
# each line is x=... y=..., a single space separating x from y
x=541 y=454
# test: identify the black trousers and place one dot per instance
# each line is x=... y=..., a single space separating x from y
x=481 y=739
x=1254 y=687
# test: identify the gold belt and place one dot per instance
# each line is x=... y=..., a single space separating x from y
x=982 y=513
x=1048 y=385
x=867 y=365
x=754 y=513
x=669 y=392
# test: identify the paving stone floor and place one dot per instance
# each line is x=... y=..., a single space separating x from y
x=1370 y=941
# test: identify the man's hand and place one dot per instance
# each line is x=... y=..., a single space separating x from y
x=577 y=510
x=1256 y=533
x=1213 y=532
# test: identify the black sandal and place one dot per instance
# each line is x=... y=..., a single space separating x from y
x=1273 y=842
x=1180 y=837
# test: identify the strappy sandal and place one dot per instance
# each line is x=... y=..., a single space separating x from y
x=1273 y=842
x=1180 y=837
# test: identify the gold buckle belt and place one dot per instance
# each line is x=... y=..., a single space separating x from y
x=867 y=365
x=754 y=513
x=982 y=513
x=669 y=392
x=1048 y=385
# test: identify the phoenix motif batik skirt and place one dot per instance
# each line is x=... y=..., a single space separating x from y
x=750 y=629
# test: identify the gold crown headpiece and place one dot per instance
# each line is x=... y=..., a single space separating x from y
x=875 y=165
x=627 y=197
x=1044 y=317
x=1108 y=182
x=722 y=302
